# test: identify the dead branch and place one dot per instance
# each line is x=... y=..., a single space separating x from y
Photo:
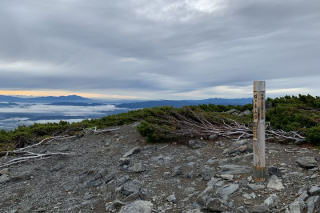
x=22 y=151
x=33 y=156
x=197 y=125
x=97 y=131
x=50 y=139
x=27 y=155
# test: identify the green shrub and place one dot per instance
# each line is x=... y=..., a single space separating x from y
x=313 y=135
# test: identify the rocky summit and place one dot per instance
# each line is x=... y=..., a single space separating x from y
x=119 y=172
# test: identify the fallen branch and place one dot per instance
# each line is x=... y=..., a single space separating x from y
x=49 y=139
x=33 y=156
x=194 y=124
x=97 y=131
x=27 y=155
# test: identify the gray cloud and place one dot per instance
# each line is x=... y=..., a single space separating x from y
x=161 y=48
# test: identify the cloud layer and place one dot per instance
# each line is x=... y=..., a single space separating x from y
x=160 y=48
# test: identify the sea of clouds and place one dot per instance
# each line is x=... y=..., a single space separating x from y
x=13 y=115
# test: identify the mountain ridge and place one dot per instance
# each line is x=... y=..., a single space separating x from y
x=44 y=99
x=181 y=103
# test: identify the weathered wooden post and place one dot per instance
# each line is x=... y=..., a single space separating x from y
x=259 y=161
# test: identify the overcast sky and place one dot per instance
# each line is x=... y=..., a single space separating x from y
x=159 y=49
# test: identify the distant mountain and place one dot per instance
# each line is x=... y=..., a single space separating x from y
x=8 y=104
x=181 y=103
x=75 y=104
x=48 y=99
x=74 y=100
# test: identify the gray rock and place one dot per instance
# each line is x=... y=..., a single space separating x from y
x=109 y=178
x=196 y=144
x=227 y=190
x=114 y=206
x=275 y=183
x=206 y=173
x=123 y=179
x=88 y=196
x=124 y=161
x=213 y=137
x=313 y=204
x=57 y=167
x=239 y=147
x=138 y=167
x=133 y=151
x=249 y=196
x=256 y=187
x=96 y=178
x=212 y=161
x=274 y=171
x=189 y=190
x=193 y=211
x=172 y=198
x=297 y=206
x=245 y=113
x=227 y=177
x=216 y=205
x=232 y=111
x=162 y=159
x=4 y=171
x=272 y=201
x=130 y=187
x=307 y=162
x=215 y=182
x=177 y=171
x=303 y=195
x=259 y=209
x=191 y=164
x=4 y=178
x=314 y=190
x=209 y=191
x=233 y=169
x=138 y=206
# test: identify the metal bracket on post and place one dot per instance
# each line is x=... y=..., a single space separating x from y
x=259 y=162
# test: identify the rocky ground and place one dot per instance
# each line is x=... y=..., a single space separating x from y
x=120 y=172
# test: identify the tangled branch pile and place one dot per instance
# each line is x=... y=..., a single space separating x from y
x=188 y=123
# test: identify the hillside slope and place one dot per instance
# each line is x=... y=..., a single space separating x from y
x=120 y=170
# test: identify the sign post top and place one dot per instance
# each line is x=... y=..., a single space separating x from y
x=259 y=86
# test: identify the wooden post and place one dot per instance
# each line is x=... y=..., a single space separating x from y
x=259 y=161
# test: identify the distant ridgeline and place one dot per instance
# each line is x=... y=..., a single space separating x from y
x=290 y=113
x=48 y=99
x=181 y=103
